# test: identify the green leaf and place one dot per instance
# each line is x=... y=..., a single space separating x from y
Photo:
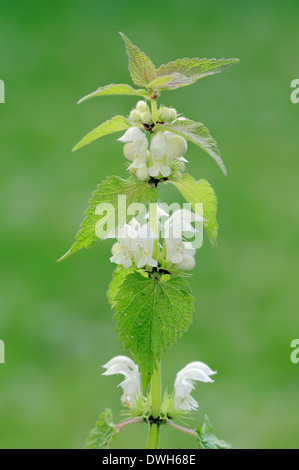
x=118 y=278
x=160 y=82
x=182 y=72
x=115 y=124
x=206 y=438
x=103 y=433
x=114 y=89
x=108 y=192
x=197 y=133
x=171 y=82
x=201 y=192
x=151 y=316
x=141 y=67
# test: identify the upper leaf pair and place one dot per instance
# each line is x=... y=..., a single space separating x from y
x=180 y=72
x=175 y=74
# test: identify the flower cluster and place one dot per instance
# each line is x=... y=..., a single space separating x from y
x=141 y=114
x=183 y=385
x=136 y=242
x=162 y=159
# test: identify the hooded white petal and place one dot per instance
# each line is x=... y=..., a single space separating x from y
x=133 y=133
x=198 y=365
x=180 y=222
x=187 y=264
x=184 y=384
x=159 y=146
x=178 y=251
x=124 y=360
x=132 y=384
x=177 y=146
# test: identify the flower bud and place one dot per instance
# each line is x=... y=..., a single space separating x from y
x=146 y=117
x=173 y=113
x=128 y=152
x=187 y=264
x=163 y=114
x=142 y=173
x=142 y=106
x=180 y=166
x=135 y=115
x=177 y=175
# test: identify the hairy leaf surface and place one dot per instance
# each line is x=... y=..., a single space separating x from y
x=115 y=124
x=141 y=67
x=108 y=192
x=206 y=438
x=182 y=72
x=201 y=192
x=115 y=89
x=197 y=133
x=151 y=316
x=103 y=433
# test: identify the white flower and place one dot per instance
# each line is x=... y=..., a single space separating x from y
x=177 y=146
x=178 y=251
x=132 y=384
x=146 y=242
x=159 y=151
x=133 y=133
x=184 y=384
x=187 y=264
x=126 y=249
x=136 y=147
x=180 y=222
x=142 y=173
x=165 y=147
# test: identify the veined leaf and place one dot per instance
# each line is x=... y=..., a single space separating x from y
x=151 y=316
x=171 y=82
x=160 y=82
x=206 y=438
x=201 y=192
x=108 y=192
x=197 y=133
x=115 y=89
x=115 y=124
x=187 y=71
x=118 y=278
x=141 y=67
x=103 y=433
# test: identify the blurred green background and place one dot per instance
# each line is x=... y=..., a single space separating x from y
x=55 y=319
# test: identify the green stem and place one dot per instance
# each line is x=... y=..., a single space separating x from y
x=153 y=223
x=154 y=110
x=156 y=393
x=153 y=438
